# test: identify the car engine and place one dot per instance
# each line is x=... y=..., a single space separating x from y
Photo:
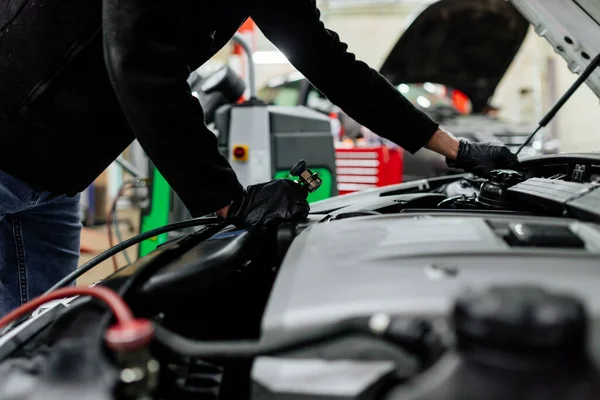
x=455 y=287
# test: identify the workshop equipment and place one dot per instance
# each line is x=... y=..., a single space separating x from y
x=280 y=136
x=261 y=142
x=360 y=168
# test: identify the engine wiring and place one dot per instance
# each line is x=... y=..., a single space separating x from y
x=58 y=291
x=127 y=334
x=446 y=203
x=119 y=308
x=67 y=280
x=117 y=305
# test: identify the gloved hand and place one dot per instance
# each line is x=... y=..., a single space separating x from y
x=481 y=158
x=268 y=203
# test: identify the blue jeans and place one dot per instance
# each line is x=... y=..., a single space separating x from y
x=39 y=240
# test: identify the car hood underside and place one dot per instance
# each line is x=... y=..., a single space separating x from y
x=464 y=44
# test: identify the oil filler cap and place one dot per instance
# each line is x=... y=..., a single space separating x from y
x=521 y=319
x=493 y=191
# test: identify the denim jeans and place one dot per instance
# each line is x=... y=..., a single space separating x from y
x=39 y=240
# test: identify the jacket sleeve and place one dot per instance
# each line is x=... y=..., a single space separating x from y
x=144 y=53
x=295 y=28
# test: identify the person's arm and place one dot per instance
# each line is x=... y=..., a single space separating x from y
x=444 y=143
x=294 y=26
x=144 y=53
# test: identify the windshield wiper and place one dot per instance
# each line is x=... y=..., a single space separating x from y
x=561 y=102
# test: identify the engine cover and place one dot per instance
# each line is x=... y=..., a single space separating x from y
x=411 y=264
x=405 y=265
x=396 y=264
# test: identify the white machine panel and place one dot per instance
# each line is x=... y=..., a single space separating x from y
x=250 y=127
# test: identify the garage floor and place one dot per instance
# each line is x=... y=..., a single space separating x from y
x=96 y=239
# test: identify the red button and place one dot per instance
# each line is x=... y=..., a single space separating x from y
x=239 y=152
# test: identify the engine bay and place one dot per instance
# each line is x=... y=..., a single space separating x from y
x=454 y=287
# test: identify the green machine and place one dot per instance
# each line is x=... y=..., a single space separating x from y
x=261 y=142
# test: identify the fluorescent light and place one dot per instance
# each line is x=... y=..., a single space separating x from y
x=423 y=102
x=403 y=88
x=269 y=57
x=430 y=87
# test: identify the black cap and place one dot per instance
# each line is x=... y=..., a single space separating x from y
x=521 y=319
x=298 y=168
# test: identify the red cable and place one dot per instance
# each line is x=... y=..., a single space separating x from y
x=116 y=304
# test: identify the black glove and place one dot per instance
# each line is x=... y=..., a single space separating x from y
x=268 y=203
x=481 y=158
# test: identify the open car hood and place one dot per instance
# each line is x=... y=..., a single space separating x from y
x=464 y=44
x=572 y=27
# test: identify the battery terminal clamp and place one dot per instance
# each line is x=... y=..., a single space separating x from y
x=306 y=177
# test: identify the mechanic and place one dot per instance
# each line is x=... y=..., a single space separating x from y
x=112 y=71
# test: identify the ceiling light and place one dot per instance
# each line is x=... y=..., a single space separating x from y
x=403 y=88
x=423 y=102
x=269 y=57
x=430 y=87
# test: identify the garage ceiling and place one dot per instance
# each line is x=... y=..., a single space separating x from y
x=362 y=3
x=370 y=7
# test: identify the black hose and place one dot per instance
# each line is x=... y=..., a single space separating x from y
x=131 y=242
x=241 y=349
x=413 y=335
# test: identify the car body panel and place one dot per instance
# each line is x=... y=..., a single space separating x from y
x=572 y=27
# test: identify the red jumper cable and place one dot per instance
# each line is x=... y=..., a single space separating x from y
x=127 y=334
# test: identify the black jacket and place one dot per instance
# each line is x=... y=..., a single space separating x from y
x=80 y=80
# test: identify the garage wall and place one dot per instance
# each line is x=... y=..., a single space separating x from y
x=525 y=73
x=538 y=66
x=370 y=37
x=578 y=126
x=370 y=32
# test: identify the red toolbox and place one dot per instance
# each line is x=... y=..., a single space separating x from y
x=361 y=168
